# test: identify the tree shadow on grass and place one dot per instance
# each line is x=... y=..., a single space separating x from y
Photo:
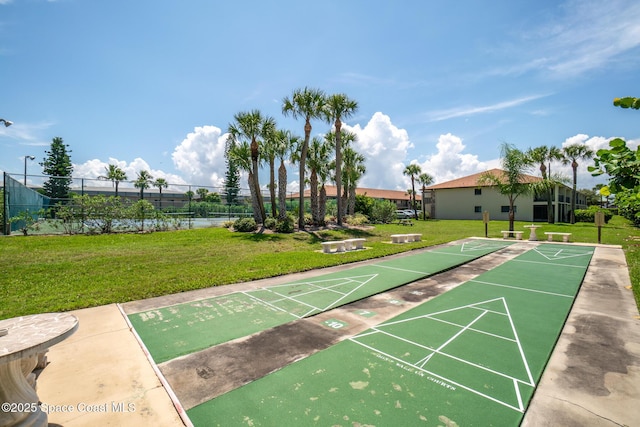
x=258 y=236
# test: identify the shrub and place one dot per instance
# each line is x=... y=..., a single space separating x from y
x=286 y=225
x=245 y=225
x=308 y=219
x=588 y=215
x=357 y=219
x=383 y=211
x=270 y=223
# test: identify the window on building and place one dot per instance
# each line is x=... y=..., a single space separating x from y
x=477 y=191
x=477 y=209
x=505 y=209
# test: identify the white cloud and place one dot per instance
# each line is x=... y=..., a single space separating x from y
x=200 y=156
x=584 y=177
x=385 y=148
x=94 y=169
x=451 y=162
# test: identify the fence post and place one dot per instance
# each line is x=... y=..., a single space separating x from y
x=5 y=196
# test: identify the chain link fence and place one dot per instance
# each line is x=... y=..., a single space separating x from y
x=101 y=205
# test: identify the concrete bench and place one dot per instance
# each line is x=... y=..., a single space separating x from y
x=565 y=236
x=518 y=234
x=339 y=245
x=405 y=238
x=356 y=243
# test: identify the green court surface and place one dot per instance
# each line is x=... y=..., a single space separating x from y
x=181 y=329
x=469 y=357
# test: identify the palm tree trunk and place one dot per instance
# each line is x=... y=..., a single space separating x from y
x=314 y=197
x=254 y=199
x=339 y=204
x=344 y=199
x=572 y=217
x=413 y=197
x=322 y=204
x=282 y=190
x=303 y=158
x=256 y=182
x=272 y=189
x=352 y=200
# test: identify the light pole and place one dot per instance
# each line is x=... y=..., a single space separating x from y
x=7 y=123
x=25 y=167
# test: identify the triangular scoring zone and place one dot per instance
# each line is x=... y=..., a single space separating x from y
x=496 y=305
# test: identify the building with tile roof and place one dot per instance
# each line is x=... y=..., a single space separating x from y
x=402 y=199
x=466 y=198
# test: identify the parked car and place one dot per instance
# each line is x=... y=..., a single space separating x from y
x=405 y=213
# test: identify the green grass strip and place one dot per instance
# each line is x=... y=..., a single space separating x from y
x=471 y=356
x=185 y=328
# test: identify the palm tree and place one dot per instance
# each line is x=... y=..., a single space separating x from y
x=286 y=142
x=202 y=193
x=511 y=182
x=339 y=106
x=317 y=160
x=115 y=175
x=424 y=179
x=540 y=155
x=270 y=152
x=413 y=170
x=160 y=183
x=309 y=104
x=143 y=182
x=572 y=153
x=353 y=170
x=252 y=127
x=240 y=154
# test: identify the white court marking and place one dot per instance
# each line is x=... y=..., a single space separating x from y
x=431 y=351
x=357 y=281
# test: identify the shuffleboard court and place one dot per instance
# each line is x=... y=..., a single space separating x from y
x=181 y=329
x=471 y=356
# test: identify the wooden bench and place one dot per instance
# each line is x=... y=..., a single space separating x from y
x=356 y=243
x=518 y=234
x=565 y=236
x=327 y=247
x=405 y=238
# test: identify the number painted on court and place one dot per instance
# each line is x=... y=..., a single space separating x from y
x=334 y=323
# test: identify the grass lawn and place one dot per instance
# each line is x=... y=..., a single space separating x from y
x=60 y=273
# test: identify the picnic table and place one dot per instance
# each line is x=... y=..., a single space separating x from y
x=23 y=341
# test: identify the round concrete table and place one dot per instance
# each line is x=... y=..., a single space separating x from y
x=533 y=235
x=22 y=339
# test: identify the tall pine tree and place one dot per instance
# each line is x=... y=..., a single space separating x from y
x=231 y=178
x=57 y=164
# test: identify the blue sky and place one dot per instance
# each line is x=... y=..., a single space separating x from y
x=154 y=84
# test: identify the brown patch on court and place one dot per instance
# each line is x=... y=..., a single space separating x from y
x=206 y=374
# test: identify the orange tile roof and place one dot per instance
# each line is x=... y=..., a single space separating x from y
x=374 y=193
x=472 y=180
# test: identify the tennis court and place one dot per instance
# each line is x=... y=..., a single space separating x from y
x=181 y=329
x=471 y=356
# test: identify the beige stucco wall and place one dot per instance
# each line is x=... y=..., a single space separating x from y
x=459 y=203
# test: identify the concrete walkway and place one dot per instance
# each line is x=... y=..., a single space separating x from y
x=101 y=376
